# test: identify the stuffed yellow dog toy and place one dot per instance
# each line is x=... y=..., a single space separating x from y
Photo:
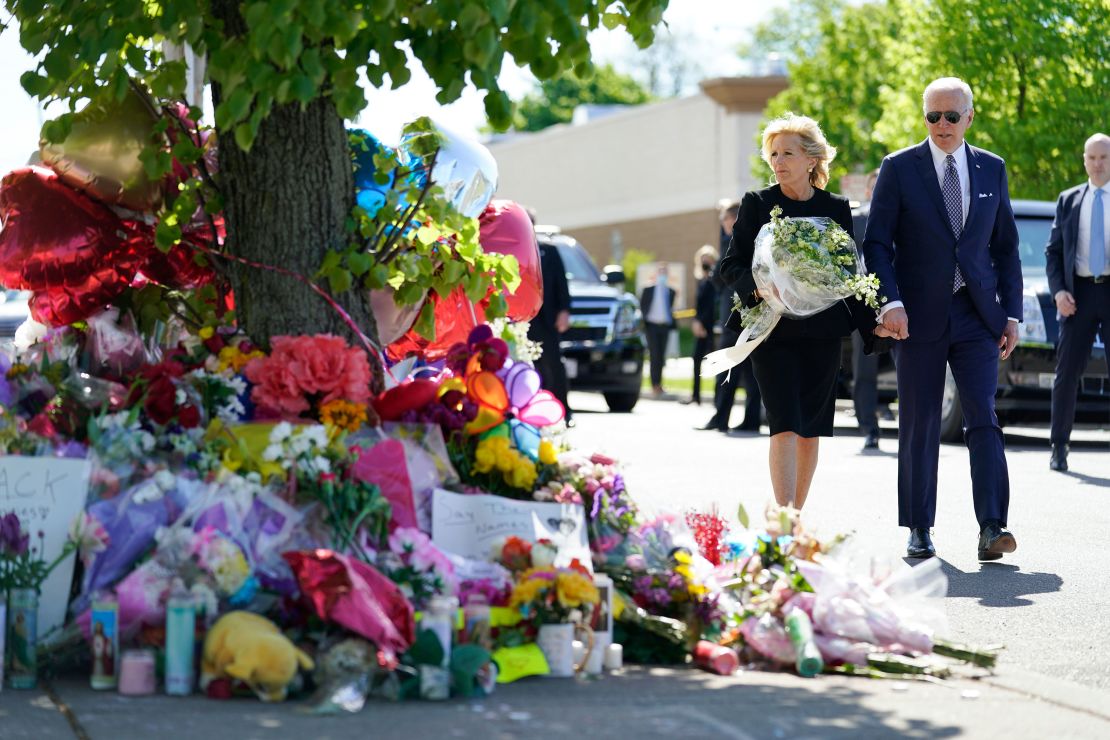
x=251 y=648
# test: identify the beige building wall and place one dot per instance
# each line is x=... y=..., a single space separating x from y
x=648 y=178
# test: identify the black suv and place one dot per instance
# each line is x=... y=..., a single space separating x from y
x=604 y=348
x=1025 y=378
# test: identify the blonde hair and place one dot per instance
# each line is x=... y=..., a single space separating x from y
x=814 y=144
x=705 y=251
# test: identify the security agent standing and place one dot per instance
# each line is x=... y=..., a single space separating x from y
x=1079 y=277
x=552 y=320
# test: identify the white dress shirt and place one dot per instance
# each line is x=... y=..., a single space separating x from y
x=1083 y=243
x=939 y=157
x=657 y=311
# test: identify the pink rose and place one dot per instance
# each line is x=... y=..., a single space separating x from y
x=275 y=387
x=325 y=364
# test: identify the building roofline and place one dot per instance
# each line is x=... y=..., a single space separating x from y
x=744 y=94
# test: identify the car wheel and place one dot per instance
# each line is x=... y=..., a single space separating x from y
x=951 y=413
x=622 y=402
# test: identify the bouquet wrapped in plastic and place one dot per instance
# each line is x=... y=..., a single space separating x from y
x=801 y=266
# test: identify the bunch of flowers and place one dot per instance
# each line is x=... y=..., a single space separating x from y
x=596 y=483
x=226 y=564
x=514 y=553
x=515 y=334
x=164 y=395
x=417 y=566
x=303 y=373
x=868 y=617
x=499 y=466
x=800 y=266
x=22 y=564
x=550 y=595
x=708 y=529
x=354 y=512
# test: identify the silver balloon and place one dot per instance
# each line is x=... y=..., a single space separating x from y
x=393 y=320
x=466 y=171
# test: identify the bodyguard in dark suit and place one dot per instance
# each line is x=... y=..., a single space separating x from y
x=552 y=320
x=1079 y=278
x=865 y=367
x=942 y=239
x=658 y=321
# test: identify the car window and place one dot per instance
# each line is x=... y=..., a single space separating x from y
x=578 y=265
x=1033 y=235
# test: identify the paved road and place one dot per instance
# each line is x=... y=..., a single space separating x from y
x=1047 y=602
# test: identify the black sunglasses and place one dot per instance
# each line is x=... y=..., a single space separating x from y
x=952 y=116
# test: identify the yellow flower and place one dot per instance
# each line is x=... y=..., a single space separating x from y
x=206 y=332
x=547 y=452
x=342 y=415
x=575 y=589
x=234 y=359
x=527 y=591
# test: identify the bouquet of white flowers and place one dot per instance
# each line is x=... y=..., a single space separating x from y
x=801 y=266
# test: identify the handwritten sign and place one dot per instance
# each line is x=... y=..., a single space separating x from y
x=47 y=494
x=469 y=525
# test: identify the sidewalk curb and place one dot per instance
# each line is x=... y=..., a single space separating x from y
x=1058 y=691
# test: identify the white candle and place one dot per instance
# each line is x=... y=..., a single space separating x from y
x=614 y=657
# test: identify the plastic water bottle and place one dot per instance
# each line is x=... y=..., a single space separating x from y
x=181 y=620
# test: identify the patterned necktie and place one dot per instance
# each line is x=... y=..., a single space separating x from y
x=1098 y=236
x=953 y=203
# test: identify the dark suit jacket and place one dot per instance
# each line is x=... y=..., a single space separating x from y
x=556 y=293
x=1064 y=240
x=907 y=210
x=705 y=303
x=645 y=303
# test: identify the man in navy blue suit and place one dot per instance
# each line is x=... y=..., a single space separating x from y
x=941 y=237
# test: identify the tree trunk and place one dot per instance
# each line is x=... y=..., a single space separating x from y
x=286 y=203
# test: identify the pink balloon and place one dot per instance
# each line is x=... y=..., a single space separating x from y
x=505 y=228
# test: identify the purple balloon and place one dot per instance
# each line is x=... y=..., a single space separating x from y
x=522 y=382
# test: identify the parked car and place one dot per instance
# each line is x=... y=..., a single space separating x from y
x=13 y=312
x=604 y=348
x=1025 y=378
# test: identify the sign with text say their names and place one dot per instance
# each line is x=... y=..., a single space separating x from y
x=468 y=525
x=47 y=494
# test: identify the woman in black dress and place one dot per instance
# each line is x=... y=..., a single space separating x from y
x=796 y=367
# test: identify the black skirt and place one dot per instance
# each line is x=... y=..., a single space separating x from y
x=798 y=382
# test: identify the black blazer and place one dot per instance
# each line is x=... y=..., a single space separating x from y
x=645 y=304
x=705 y=303
x=736 y=266
x=1063 y=240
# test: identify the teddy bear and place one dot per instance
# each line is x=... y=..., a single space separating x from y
x=252 y=649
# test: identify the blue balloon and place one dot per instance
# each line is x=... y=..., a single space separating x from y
x=526 y=438
x=369 y=194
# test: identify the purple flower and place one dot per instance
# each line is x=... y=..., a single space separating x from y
x=13 y=542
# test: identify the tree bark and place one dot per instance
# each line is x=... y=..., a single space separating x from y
x=286 y=203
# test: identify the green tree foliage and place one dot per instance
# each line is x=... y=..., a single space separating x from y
x=285 y=73
x=555 y=100
x=1038 y=69
x=836 y=82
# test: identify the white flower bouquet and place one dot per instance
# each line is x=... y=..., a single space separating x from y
x=801 y=266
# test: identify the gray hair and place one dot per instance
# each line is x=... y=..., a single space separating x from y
x=946 y=84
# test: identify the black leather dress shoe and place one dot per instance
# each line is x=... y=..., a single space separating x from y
x=1059 y=459
x=871 y=442
x=995 y=540
x=710 y=426
x=920 y=544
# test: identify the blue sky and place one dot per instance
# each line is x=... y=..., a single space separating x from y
x=714 y=27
